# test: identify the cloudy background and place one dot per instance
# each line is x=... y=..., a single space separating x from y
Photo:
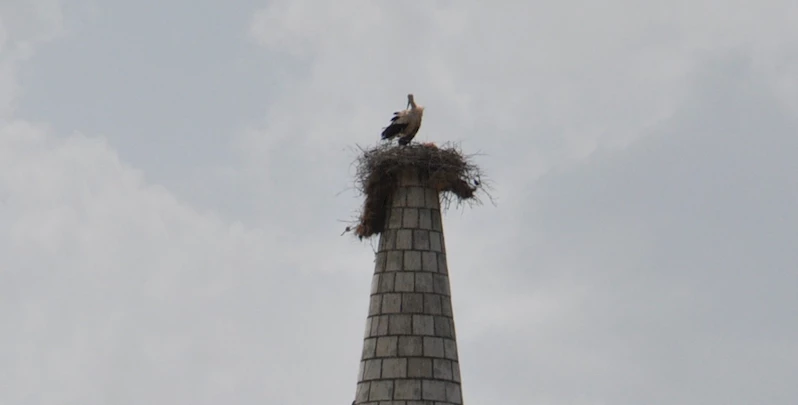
x=173 y=176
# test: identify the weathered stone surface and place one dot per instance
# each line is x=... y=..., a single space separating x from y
x=412 y=261
x=423 y=325
x=429 y=261
x=433 y=347
x=410 y=346
x=362 y=394
x=443 y=327
x=369 y=348
x=415 y=197
x=421 y=239
x=395 y=218
x=409 y=350
x=405 y=281
x=404 y=239
x=386 y=346
x=432 y=304
x=386 y=282
x=442 y=369
x=394 y=368
x=393 y=261
x=419 y=367
x=408 y=389
x=410 y=218
x=450 y=349
x=391 y=303
x=412 y=303
x=400 y=325
x=433 y=390
x=443 y=268
x=374 y=305
x=434 y=241
x=424 y=219
x=453 y=393
x=424 y=282
x=440 y=283
x=371 y=369
x=379 y=262
x=381 y=390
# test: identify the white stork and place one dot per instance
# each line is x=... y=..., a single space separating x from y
x=405 y=123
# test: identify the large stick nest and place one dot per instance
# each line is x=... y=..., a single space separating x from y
x=379 y=169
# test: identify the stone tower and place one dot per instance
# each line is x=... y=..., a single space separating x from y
x=409 y=349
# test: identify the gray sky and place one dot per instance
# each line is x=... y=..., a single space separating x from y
x=172 y=176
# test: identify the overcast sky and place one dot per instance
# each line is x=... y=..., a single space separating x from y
x=173 y=176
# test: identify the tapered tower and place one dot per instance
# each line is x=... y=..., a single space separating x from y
x=410 y=353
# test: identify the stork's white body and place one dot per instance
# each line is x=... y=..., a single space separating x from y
x=406 y=123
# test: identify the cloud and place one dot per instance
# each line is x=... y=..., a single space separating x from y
x=676 y=254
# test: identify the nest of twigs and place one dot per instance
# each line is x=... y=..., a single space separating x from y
x=379 y=169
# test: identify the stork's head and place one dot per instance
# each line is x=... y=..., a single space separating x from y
x=411 y=101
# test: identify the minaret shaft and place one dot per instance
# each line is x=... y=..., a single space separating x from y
x=410 y=348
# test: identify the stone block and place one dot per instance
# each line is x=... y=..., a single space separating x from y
x=424 y=283
x=399 y=198
x=429 y=261
x=412 y=260
x=362 y=394
x=433 y=347
x=440 y=284
x=453 y=393
x=456 y=371
x=375 y=304
x=432 y=304
x=443 y=327
x=399 y=325
x=379 y=262
x=375 y=283
x=437 y=224
x=450 y=349
x=386 y=282
x=410 y=218
x=435 y=241
x=446 y=306
x=407 y=389
x=421 y=239
x=405 y=281
x=391 y=303
x=442 y=369
x=419 y=367
x=432 y=390
x=394 y=368
x=369 y=348
x=432 y=198
x=395 y=219
x=381 y=390
x=379 y=325
x=387 y=240
x=386 y=346
x=415 y=197
x=443 y=268
x=410 y=346
x=391 y=403
x=423 y=325
x=394 y=261
x=367 y=333
x=372 y=369
x=424 y=219
x=360 y=370
x=412 y=303
x=404 y=239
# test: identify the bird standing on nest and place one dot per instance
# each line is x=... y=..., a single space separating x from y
x=405 y=123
